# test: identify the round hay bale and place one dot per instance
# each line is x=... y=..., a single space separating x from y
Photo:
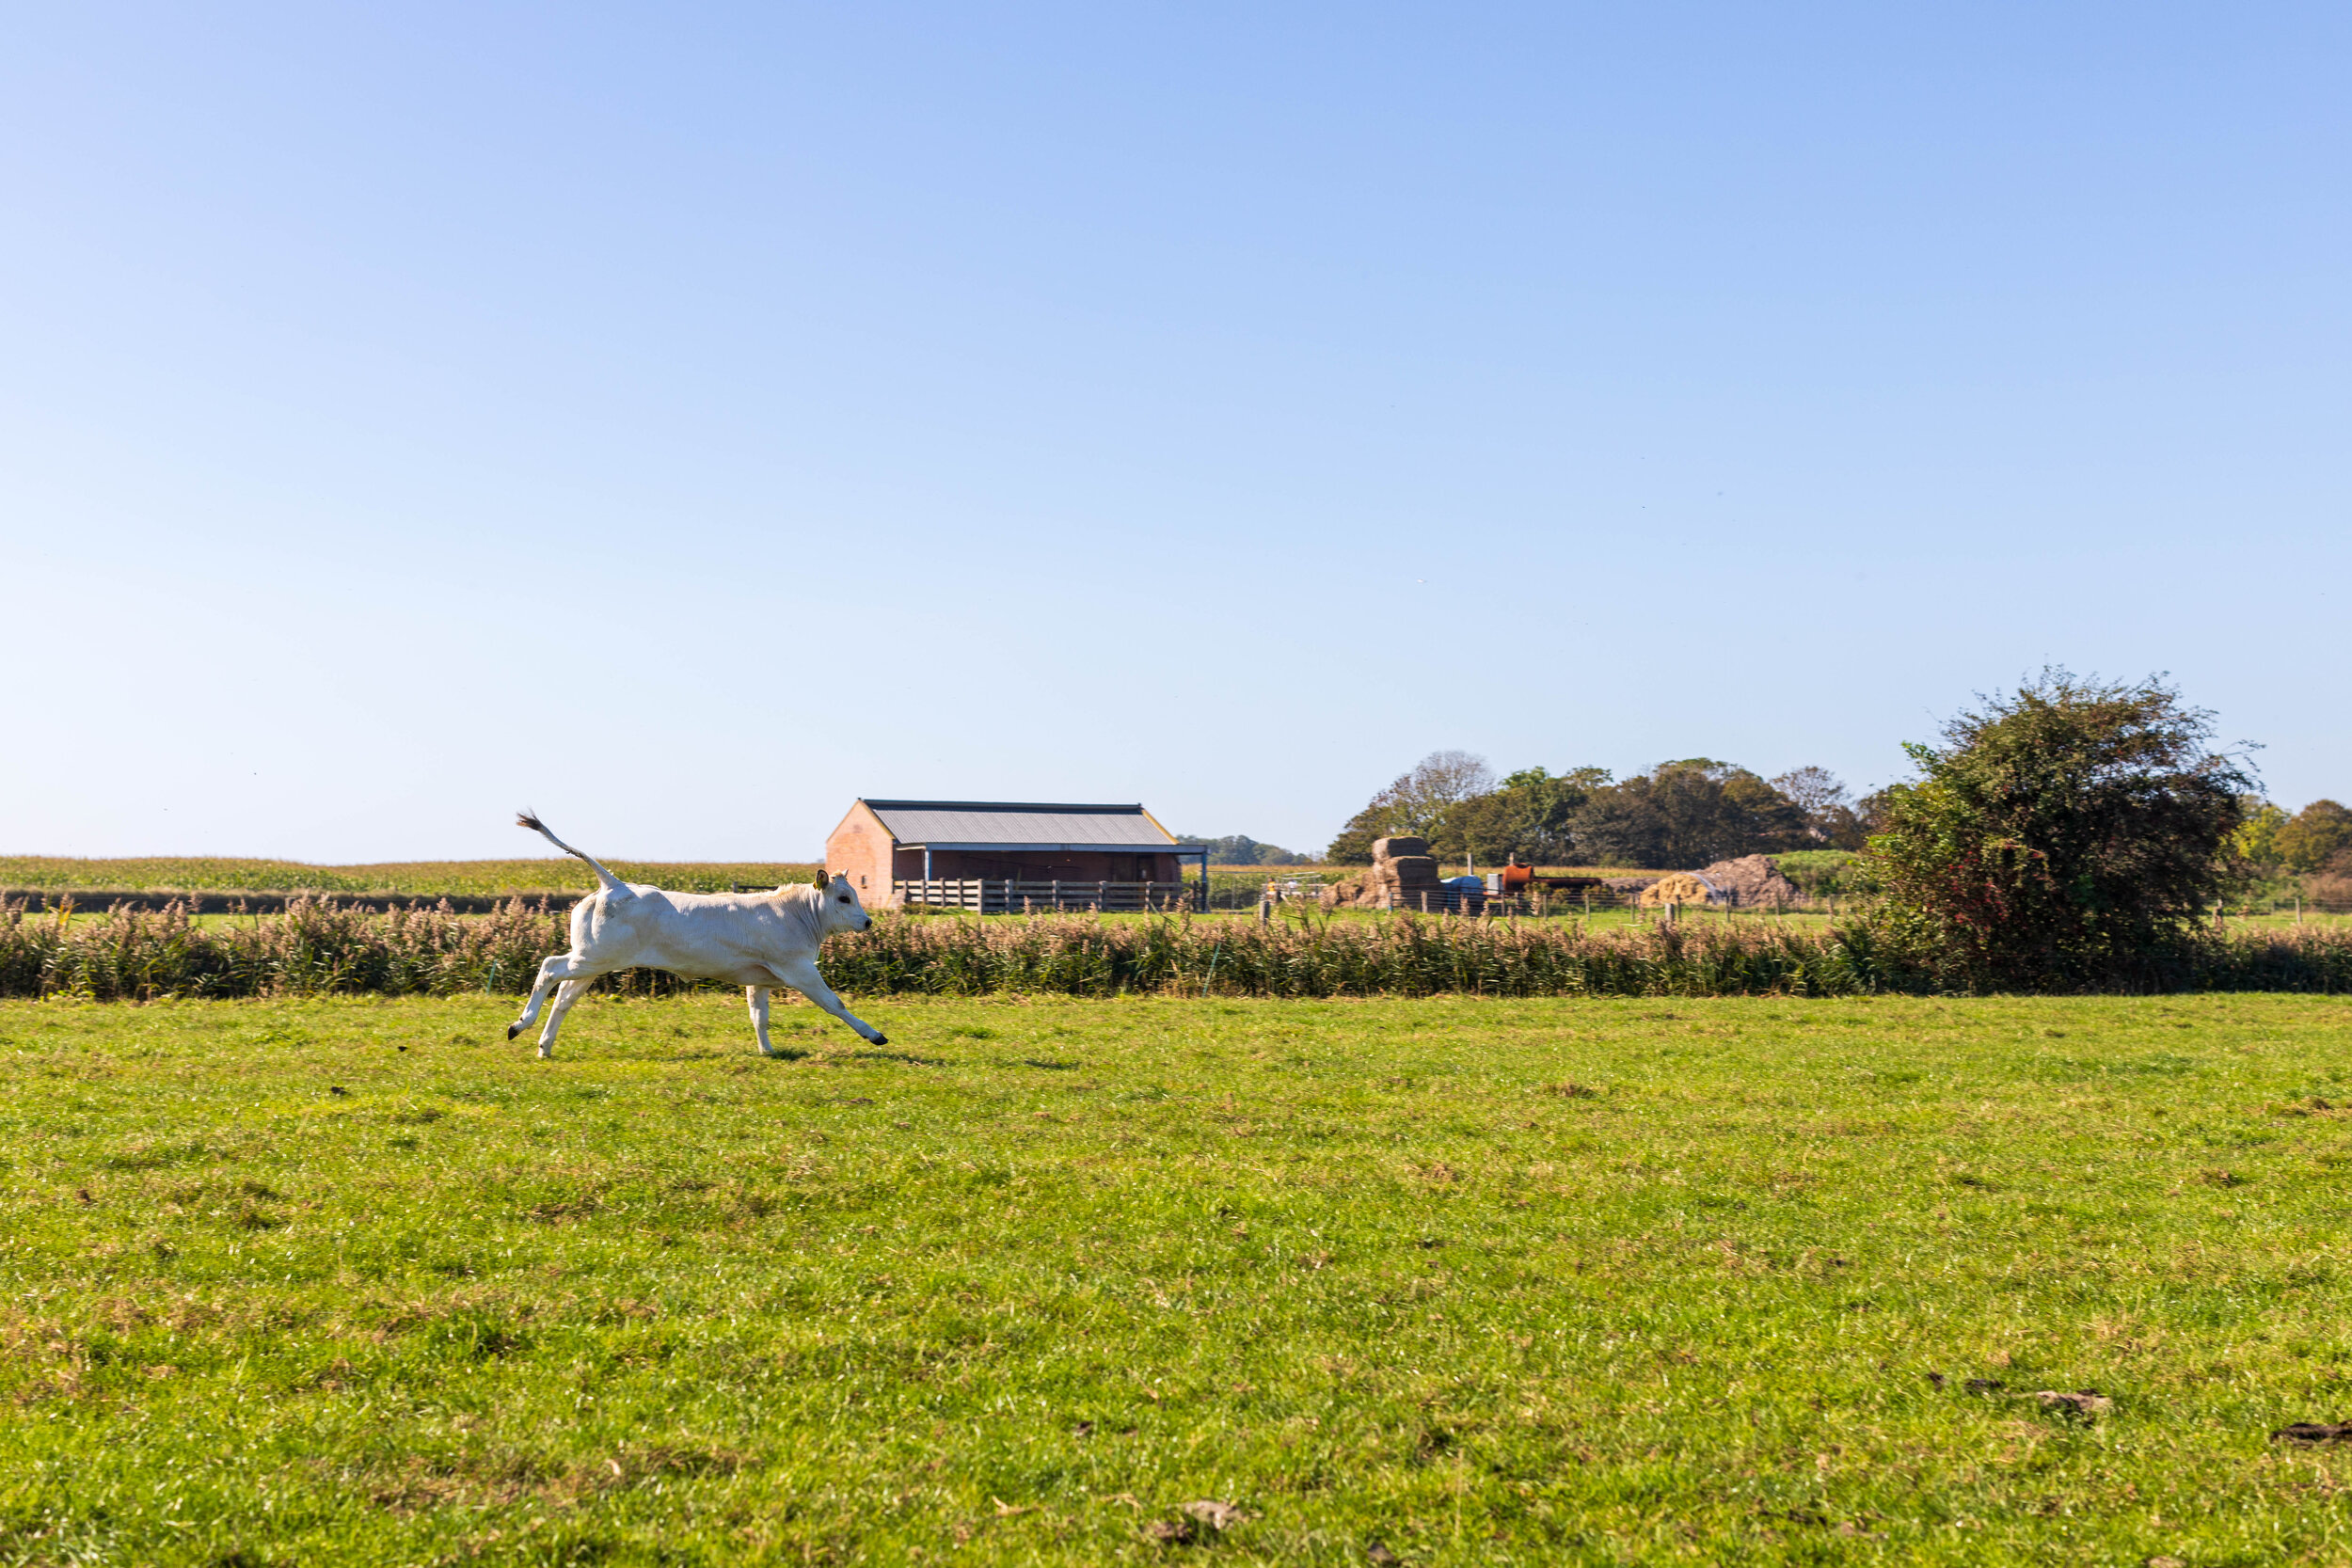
x=1680 y=888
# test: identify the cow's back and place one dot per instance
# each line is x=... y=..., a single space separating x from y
x=687 y=927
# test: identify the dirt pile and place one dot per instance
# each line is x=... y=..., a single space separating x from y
x=1752 y=881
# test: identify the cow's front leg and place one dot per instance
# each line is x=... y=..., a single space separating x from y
x=569 y=993
x=758 y=997
x=802 y=978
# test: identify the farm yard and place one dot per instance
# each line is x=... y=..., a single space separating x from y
x=1452 y=1280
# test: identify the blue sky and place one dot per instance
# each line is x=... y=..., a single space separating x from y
x=687 y=418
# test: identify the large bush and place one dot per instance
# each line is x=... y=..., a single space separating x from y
x=2071 y=836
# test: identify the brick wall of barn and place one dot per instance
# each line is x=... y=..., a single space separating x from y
x=860 y=851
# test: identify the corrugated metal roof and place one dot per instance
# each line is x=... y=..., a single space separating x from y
x=1021 y=824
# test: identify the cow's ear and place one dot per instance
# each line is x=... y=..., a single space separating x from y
x=821 y=878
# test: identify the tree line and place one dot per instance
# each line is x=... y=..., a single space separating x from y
x=2315 y=841
x=1689 y=812
x=1241 y=849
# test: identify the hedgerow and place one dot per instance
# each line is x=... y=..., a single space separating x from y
x=316 y=948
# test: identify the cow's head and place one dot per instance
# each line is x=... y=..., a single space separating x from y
x=837 y=904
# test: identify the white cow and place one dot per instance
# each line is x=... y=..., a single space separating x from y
x=756 y=940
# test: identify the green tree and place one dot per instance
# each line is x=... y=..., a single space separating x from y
x=2315 y=836
x=1421 y=801
x=1425 y=800
x=1352 y=846
x=2255 y=845
x=1684 y=815
x=1832 y=820
x=1527 y=817
x=2071 y=834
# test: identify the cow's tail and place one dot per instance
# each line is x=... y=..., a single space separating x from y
x=611 y=883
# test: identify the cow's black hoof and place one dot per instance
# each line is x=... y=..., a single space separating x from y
x=513 y=1029
x=882 y=1040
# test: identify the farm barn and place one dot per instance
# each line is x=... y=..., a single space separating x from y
x=1005 y=856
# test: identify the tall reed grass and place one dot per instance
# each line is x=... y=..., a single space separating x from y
x=314 y=948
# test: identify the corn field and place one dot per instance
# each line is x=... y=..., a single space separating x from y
x=132 y=955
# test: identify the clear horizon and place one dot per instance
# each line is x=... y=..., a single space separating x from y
x=688 y=420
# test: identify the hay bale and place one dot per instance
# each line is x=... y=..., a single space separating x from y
x=1680 y=887
x=1396 y=848
x=1414 y=871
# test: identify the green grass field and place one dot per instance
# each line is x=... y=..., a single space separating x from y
x=1456 y=1281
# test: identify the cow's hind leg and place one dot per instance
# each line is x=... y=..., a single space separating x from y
x=756 y=996
x=802 y=976
x=570 y=991
x=550 y=972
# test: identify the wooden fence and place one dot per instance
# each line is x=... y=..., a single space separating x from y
x=1001 y=896
x=1535 y=904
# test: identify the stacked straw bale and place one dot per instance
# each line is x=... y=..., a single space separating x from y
x=1402 y=870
